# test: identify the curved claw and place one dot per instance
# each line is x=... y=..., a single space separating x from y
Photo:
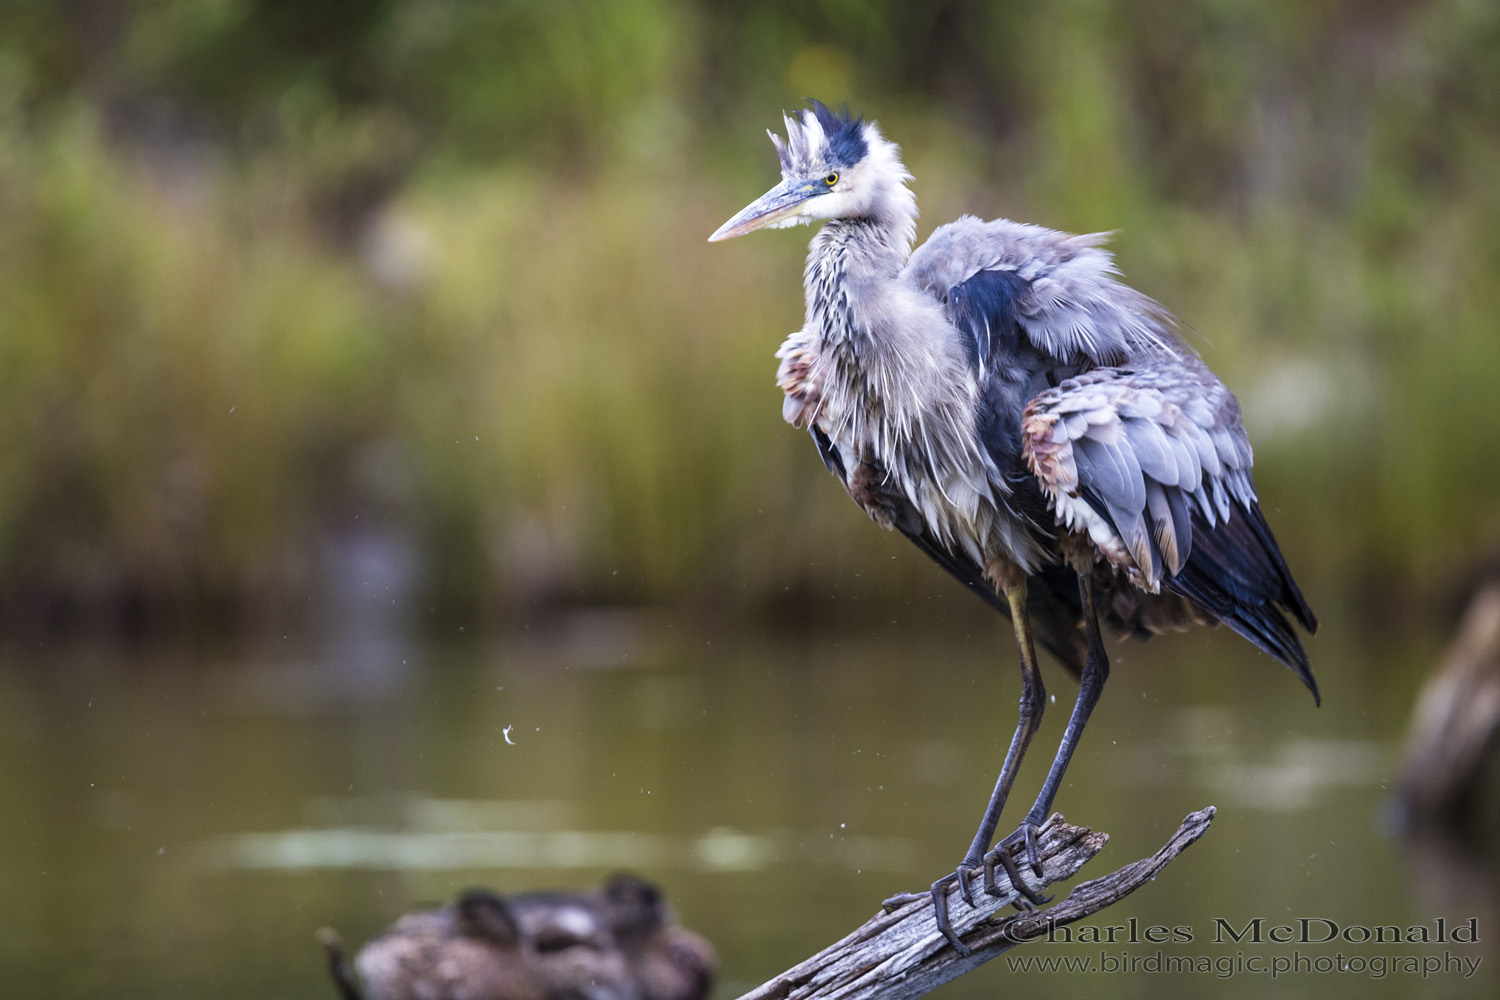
x=1026 y=834
x=963 y=885
x=1029 y=898
x=940 y=908
x=1033 y=855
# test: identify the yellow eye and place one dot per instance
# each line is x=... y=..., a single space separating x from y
x=831 y=179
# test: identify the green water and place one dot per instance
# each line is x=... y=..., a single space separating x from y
x=179 y=823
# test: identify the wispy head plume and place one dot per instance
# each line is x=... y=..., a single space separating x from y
x=818 y=138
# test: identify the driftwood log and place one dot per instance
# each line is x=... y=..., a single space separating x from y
x=1449 y=774
x=899 y=954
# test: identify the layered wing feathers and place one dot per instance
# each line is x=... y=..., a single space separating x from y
x=1060 y=290
x=1124 y=454
x=1153 y=465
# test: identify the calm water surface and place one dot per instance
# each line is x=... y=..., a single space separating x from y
x=180 y=823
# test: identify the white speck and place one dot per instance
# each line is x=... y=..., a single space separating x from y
x=506 y=733
x=233 y=408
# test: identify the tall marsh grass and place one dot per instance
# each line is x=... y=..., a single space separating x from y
x=547 y=380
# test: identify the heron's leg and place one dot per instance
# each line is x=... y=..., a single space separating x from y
x=1033 y=701
x=1095 y=673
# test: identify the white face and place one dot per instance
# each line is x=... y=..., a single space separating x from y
x=848 y=195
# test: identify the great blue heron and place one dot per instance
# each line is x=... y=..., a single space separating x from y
x=1030 y=422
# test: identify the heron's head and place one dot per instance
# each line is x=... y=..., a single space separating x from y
x=832 y=167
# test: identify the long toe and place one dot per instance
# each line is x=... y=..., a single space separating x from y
x=1026 y=834
x=940 y=908
x=1029 y=898
x=900 y=899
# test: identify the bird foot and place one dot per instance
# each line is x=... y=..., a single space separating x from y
x=939 y=893
x=1025 y=834
x=1029 y=898
x=963 y=876
x=939 y=896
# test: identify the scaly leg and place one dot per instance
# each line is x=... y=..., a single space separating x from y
x=1095 y=673
x=1033 y=701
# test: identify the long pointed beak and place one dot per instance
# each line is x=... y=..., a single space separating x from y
x=780 y=206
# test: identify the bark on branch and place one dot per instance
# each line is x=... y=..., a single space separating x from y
x=899 y=953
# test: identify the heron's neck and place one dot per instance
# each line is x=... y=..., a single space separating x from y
x=849 y=263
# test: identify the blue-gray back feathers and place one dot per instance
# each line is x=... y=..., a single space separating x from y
x=983 y=308
x=1068 y=300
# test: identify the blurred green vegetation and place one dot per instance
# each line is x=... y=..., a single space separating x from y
x=275 y=273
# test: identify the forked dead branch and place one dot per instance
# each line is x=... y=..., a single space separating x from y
x=900 y=954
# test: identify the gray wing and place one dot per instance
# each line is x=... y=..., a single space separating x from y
x=1152 y=464
x=1059 y=291
x=1128 y=454
x=1033 y=307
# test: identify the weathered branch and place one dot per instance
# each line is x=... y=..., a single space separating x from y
x=1455 y=728
x=899 y=954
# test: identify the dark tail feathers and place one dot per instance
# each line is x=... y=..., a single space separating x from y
x=1236 y=572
